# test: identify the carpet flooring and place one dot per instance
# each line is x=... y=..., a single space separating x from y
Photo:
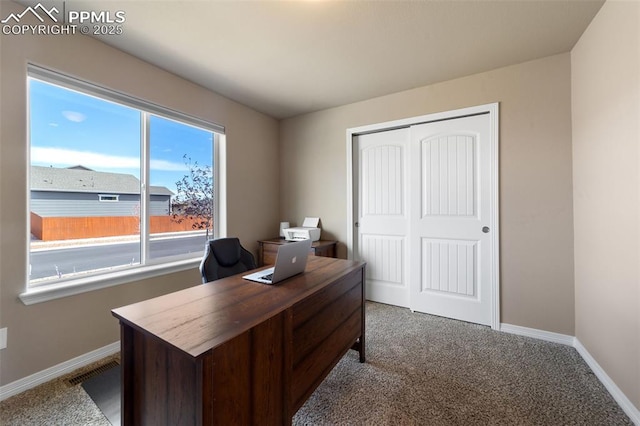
x=420 y=370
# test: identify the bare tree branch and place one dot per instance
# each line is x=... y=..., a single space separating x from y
x=194 y=200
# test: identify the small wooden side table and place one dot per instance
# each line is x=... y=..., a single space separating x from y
x=268 y=249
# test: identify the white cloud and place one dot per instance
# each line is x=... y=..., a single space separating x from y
x=63 y=157
x=76 y=117
x=167 y=165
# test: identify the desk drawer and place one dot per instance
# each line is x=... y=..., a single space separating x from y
x=325 y=326
x=309 y=308
x=316 y=331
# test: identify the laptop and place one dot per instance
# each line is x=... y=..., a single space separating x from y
x=290 y=260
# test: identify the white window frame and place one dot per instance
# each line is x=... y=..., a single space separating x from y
x=152 y=268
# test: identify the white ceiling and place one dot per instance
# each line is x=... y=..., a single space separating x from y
x=286 y=58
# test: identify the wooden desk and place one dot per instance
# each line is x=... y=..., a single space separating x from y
x=267 y=249
x=235 y=352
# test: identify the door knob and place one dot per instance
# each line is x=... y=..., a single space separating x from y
x=485 y=229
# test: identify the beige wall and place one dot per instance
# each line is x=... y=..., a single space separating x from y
x=606 y=159
x=45 y=334
x=536 y=231
x=600 y=78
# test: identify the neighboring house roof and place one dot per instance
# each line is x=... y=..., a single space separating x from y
x=81 y=179
x=79 y=167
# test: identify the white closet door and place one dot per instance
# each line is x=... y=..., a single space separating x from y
x=382 y=213
x=450 y=216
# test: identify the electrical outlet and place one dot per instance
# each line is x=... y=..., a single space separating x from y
x=3 y=338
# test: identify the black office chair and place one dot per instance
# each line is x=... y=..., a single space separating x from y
x=224 y=257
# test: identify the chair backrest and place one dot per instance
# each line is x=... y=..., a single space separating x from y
x=224 y=257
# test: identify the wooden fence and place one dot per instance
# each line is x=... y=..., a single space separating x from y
x=70 y=228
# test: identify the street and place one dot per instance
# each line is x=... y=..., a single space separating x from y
x=67 y=260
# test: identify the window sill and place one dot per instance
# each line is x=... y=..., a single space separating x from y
x=83 y=285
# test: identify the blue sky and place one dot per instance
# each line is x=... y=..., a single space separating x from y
x=68 y=128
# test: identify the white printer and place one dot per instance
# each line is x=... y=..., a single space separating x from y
x=308 y=231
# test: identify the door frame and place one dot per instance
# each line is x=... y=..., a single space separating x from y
x=493 y=111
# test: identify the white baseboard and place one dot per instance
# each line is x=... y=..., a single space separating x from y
x=622 y=400
x=538 y=334
x=56 y=371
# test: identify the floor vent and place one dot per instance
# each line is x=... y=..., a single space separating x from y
x=91 y=373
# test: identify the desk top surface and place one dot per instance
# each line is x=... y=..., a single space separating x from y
x=205 y=316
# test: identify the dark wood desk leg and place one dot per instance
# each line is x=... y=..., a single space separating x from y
x=287 y=374
x=126 y=375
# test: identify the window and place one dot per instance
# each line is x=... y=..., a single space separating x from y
x=107 y=198
x=116 y=184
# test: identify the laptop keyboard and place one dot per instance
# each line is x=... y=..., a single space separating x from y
x=267 y=277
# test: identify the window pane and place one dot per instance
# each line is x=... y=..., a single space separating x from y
x=181 y=191
x=84 y=185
